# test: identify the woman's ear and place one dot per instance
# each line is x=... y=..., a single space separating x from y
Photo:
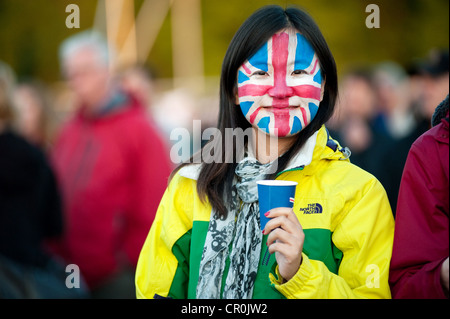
x=236 y=96
x=322 y=89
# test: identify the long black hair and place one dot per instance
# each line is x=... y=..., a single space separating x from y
x=215 y=179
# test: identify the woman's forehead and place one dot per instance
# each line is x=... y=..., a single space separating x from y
x=300 y=49
x=290 y=33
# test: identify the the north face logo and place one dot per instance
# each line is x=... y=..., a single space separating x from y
x=314 y=208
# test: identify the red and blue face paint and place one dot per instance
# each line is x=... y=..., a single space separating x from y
x=279 y=88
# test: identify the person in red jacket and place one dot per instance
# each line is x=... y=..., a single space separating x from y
x=112 y=167
x=420 y=263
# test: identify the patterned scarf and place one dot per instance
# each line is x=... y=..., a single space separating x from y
x=241 y=229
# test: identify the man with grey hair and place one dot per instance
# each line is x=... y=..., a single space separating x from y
x=112 y=168
x=85 y=59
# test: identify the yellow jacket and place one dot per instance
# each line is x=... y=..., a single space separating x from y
x=345 y=215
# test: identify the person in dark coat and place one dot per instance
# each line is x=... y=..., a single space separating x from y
x=420 y=263
x=30 y=213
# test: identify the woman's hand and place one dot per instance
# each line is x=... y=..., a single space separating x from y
x=285 y=239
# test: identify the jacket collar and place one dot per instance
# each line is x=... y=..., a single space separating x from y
x=326 y=148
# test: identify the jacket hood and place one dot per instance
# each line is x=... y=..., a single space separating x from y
x=326 y=148
x=120 y=104
x=440 y=112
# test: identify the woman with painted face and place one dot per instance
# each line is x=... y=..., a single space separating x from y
x=278 y=82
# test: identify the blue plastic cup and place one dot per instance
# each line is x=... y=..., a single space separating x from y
x=273 y=194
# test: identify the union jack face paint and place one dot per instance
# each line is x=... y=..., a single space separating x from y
x=279 y=88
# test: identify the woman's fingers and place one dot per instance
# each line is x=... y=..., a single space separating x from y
x=282 y=217
x=288 y=251
x=285 y=238
x=291 y=235
x=278 y=235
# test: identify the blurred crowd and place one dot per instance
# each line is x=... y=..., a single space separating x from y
x=81 y=184
x=84 y=193
x=383 y=109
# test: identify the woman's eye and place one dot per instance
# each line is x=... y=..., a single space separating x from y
x=299 y=72
x=259 y=73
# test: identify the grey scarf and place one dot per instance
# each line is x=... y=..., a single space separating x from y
x=240 y=229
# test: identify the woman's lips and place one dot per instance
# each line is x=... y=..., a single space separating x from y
x=280 y=110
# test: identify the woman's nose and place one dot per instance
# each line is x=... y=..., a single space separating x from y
x=281 y=90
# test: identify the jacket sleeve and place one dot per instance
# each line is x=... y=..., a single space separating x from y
x=163 y=266
x=419 y=232
x=365 y=236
